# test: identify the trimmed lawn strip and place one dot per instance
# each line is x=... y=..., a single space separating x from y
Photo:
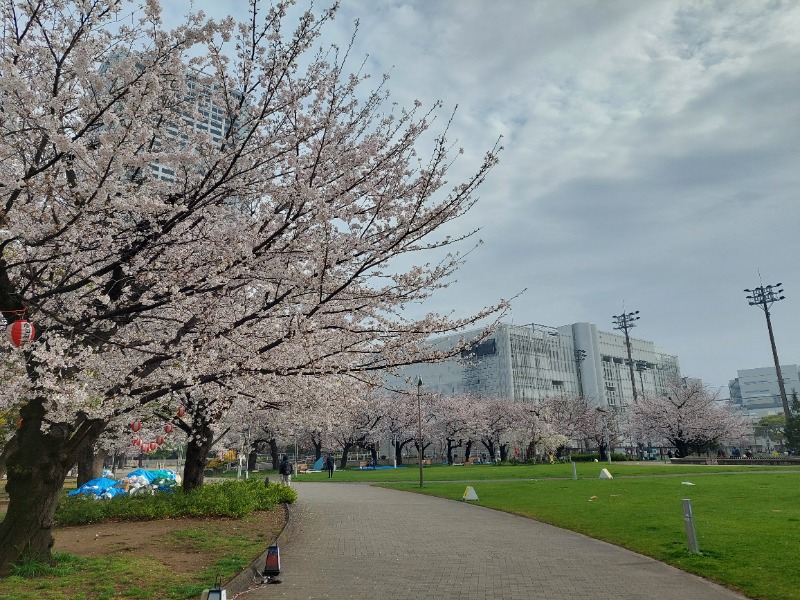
x=748 y=525
x=589 y=470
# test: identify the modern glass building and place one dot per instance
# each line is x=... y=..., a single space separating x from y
x=757 y=391
x=530 y=362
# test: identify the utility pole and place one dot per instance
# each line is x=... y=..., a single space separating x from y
x=765 y=296
x=625 y=322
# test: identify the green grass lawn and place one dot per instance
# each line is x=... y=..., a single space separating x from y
x=545 y=471
x=747 y=520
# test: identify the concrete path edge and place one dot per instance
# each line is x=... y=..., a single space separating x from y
x=252 y=575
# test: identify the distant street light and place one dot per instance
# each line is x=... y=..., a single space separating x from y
x=419 y=426
x=624 y=322
x=765 y=296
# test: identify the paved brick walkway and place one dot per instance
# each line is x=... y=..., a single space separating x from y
x=356 y=541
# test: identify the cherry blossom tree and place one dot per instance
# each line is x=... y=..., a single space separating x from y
x=399 y=421
x=540 y=427
x=163 y=264
x=356 y=427
x=688 y=416
x=495 y=420
x=454 y=421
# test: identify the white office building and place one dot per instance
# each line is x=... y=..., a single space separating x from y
x=529 y=362
x=757 y=391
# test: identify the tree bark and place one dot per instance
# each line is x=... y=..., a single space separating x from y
x=8 y=450
x=273 y=451
x=197 y=456
x=251 y=460
x=345 y=451
x=36 y=474
x=90 y=465
x=398 y=452
x=503 y=452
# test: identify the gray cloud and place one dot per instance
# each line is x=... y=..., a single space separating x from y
x=651 y=157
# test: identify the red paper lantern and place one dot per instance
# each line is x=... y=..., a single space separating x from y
x=169 y=428
x=137 y=442
x=160 y=440
x=20 y=332
x=136 y=426
x=181 y=410
x=153 y=446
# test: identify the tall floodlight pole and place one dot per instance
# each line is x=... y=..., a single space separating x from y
x=419 y=426
x=625 y=322
x=765 y=296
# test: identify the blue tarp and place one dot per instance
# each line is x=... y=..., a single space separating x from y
x=95 y=487
x=318 y=464
x=104 y=487
x=152 y=474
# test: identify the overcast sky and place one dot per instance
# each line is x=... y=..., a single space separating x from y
x=651 y=158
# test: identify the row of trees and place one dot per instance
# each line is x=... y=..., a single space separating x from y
x=687 y=417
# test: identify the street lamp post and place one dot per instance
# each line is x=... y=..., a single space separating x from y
x=625 y=322
x=419 y=427
x=765 y=296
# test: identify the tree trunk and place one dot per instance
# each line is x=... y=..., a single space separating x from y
x=251 y=460
x=273 y=450
x=398 y=452
x=197 y=455
x=36 y=474
x=467 y=450
x=316 y=442
x=345 y=451
x=8 y=450
x=531 y=451
x=90 y=465
x=489 y=445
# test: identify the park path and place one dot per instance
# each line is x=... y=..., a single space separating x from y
x=354 y=541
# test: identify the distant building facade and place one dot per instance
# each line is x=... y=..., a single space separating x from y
x=530 y=362
x=756 y=391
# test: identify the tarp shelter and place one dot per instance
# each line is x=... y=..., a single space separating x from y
x=318 y=466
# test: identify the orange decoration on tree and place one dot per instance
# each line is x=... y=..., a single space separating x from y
x=20 y=332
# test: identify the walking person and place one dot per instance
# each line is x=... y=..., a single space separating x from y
x=285 y=471
x=329 y=464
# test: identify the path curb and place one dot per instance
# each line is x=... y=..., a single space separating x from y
x=251 y=576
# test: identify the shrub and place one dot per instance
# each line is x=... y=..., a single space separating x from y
x=228 y=499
